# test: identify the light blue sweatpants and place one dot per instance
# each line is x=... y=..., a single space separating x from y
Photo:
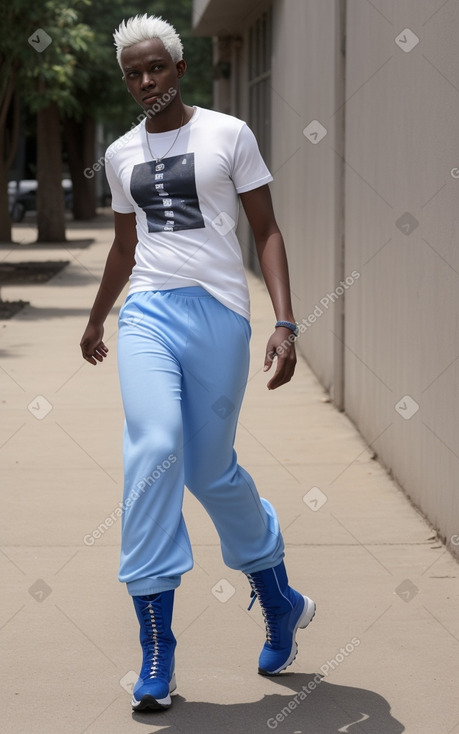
x=183 y=364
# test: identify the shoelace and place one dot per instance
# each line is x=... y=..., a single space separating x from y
x=155 y=641
x=272 y=628
x=253 y=598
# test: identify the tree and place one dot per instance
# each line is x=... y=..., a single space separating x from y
x=51 y=83
x=39 y=42
x=9 y=129
x=11 y=53
x=58 y=57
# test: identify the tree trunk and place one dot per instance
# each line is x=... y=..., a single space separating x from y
x=80 y=140
x=9 y=129
x=50 y=196
x=5 y=220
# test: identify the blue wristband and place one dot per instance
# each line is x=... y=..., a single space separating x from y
x=288 y=325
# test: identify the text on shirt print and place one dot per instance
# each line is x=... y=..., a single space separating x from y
x=166 y=191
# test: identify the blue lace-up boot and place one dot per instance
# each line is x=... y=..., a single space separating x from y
x=157 y=678
x=284 y=611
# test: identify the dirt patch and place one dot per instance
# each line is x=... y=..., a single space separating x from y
x=25 y=272
x=8 y=309
x=30 y=272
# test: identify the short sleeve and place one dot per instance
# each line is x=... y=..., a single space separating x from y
x=120 y=202
x=249 y=169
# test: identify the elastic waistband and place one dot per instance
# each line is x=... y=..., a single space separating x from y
x=193 y=291
x=190 y=290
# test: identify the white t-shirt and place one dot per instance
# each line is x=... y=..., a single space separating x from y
x=187 y=205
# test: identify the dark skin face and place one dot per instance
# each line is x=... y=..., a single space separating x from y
x=150 y=75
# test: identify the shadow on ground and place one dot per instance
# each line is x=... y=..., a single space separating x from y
x=326 y=709
x=34 y=246
x=34 y=313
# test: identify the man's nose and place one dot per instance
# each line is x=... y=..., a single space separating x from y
x=147 y=81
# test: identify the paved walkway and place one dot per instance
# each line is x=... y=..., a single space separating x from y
x=382 y=655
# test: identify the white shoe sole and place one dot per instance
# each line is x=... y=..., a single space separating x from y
x=150 y=703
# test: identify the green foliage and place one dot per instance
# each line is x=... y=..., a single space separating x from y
x=50 y=75
x=78 y=69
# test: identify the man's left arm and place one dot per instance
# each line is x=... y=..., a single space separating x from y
x=273 y=262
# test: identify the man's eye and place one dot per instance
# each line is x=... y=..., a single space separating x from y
x=132 y=74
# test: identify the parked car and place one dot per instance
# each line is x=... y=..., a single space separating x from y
x=22 y=197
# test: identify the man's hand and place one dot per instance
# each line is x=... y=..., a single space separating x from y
x=93 y=348
x=280 y=346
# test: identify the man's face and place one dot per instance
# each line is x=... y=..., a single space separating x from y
x=149 y=73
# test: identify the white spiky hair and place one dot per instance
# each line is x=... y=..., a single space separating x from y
x=142 y=28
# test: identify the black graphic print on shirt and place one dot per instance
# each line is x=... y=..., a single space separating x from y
x=166 y=191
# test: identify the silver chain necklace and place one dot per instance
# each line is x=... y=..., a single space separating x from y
x=155 y=158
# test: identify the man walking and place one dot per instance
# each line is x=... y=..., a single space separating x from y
x=183 y=350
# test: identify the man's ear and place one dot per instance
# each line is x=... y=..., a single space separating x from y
x=181 y=68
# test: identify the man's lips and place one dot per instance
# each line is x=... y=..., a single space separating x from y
x=150 y=97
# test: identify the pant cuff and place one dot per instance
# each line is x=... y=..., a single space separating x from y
x=262 y=565
x=143 y=587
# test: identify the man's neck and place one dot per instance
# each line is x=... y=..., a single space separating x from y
x=173 y=117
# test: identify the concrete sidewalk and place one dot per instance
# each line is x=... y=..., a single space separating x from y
x=382 y=655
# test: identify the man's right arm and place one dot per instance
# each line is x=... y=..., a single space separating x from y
x=118 y=268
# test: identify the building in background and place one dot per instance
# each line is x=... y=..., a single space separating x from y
x=355 y=107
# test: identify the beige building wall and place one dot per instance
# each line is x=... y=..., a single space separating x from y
x=364 y=111
x=401 y=233
x=307 y=190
